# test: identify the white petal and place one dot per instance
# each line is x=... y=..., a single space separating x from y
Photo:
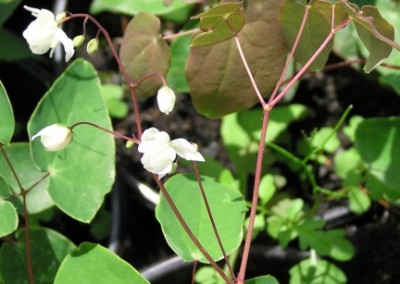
x=153 y=139
x=166 y=99
x=186 y=150
x=67 y=43
x=159 y=161
x=54 y=137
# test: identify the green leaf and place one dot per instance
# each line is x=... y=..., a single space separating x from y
x=113 y=95
x=267 y=189
x=176 y=78
x=345 y=162
x=377 y=141
x=227 y=207
x=92 y=263
x=241 y=132
x=319 y=272
x=176 y=10
x=48 y=249
x=358 y=200
x=350 y=129
x=6 y=117
x=208 y=275
x=265 y=279
x=331 y=243
x=5 y=191
x=8 y=218
x=82 y=173
x=218 y=24
x=319 y=140
x=218 y=82
x=38 y=198
x=316 y=30
x=144 y=52
x=374 y=31
x=7 y=7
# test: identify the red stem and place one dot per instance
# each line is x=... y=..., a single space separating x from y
x=120 y=65
x=210 y=216
x=116 y=134
x=188 y=230
x=253 y=210
x=26 y=217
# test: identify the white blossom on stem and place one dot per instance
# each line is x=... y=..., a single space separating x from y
x=159 y=152
x=54 y=137
x=44 y=33
x=166 y=99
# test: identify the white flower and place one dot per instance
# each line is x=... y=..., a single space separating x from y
x=159 y=152
x=54 y=137
x=44 y=33
x=166 y=99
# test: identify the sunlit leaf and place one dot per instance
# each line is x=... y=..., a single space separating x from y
x=218 y=82
x=359 y=201
x=94 y=264
x=265 y=279
x=8 y=218
x=220 y=23
x=320 y=271
x=176 y=10
x=227 y=207
x=377 y=141
x=144 y=52
x=82 y=173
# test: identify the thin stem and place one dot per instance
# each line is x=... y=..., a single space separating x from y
x=253 y=210
x=174 y=36
x=291 y=54
x=308 y=63
x=26 y=217
x=246 y=66
x=194 y=268
x=189 y=231
x=122 y=69
x=334 y=130
x=211 y=218
x=116 y=134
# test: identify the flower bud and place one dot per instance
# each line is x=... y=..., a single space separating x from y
x=61 y=16
x=78 y=40
x=92 y=46
x=166 y=99
x=54 y=137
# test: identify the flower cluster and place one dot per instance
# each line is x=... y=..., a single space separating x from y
x=159 y=152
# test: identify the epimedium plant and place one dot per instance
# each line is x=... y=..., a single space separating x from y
x=239 y=56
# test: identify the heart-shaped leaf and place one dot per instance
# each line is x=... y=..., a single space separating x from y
x=144 y=52
x=316 y=30
x=82 y=173
x=217 y=79
x=220 y=23
x=374 y=31
x=227 y=207
x=94 y=264
x=48 y=249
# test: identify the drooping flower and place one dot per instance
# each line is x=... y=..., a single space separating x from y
x=166 y=99
x=54 y=137
x=159 y=152
x=44 y=33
